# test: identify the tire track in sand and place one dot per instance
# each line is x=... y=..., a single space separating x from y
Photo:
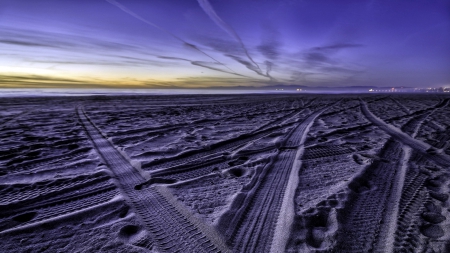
x=382 y=238
x=369 y=214
x=14 y=118
x=286 y=217
x=173 y=229
x=253 y=218
x=217 y=149
x=191 y=166
x=417 y=145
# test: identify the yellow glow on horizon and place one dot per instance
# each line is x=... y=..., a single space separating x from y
x=45 y=78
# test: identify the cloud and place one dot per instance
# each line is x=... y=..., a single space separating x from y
x=117 y=61
x=269 y=50
x=42 y=81
x=342 y=70
x=39 y=81
x=270 y=45
x=210 y=82
x=323 y=55
x=337 y=46
x=222 y=45
x=317 y=65
x=269 y=66
x=23 y=43
x=232 y=50
x=73 y=49
x=30 y=38
x=246 y=63
x=37 y=78
x=316 y=57
x=299 y=76
x=36 y=38
x=173 y=58
x=141 y=61
x=201 y=82
x=209 y=10
x=208 y=65
x=190 y=45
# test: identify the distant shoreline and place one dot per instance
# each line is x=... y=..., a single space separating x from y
x=70 y=92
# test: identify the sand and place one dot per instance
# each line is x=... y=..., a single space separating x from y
x=225 y=173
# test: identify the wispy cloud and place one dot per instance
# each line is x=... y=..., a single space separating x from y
x=323 y=56
x=246 y=63
x=271 y=42
x=37 y=38
x=269 y=66
x=222 y=45
x=116 y=61
x=211 y=82
x=337 y=46
x=208 y=65
x=40 y=81
x=316 y=58
x=190 y=45
x=47 y=81
x=209 y=10
x=72 y=50
x=23 y=43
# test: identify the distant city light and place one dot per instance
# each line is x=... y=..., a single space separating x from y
x=403 y=89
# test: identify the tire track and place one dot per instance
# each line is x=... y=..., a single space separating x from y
x=216 y=150
x=367 y=215
x=78 y=213
x=418 y=211
x=230 y=144
x=394 y=218
x=365 y=225
x=413 y=196
x=35 y=164
x=197 y=123
x=173 y=230
x=417 y=145
x=363 y=127
x=389 y=226
x=14 y=118
x=413 y=125
x=19 y=194
x=251 y=222
x=404 y=108
x=213 y=150
x=193 y=168
x=51 y=209
x=420 y=112
x=119 y=139
x=286 y=217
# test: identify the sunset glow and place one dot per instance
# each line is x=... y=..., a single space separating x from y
x=217 y=43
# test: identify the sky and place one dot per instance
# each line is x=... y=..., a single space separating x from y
x=224 y=43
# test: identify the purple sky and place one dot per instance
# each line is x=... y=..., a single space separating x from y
x=216 y=43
